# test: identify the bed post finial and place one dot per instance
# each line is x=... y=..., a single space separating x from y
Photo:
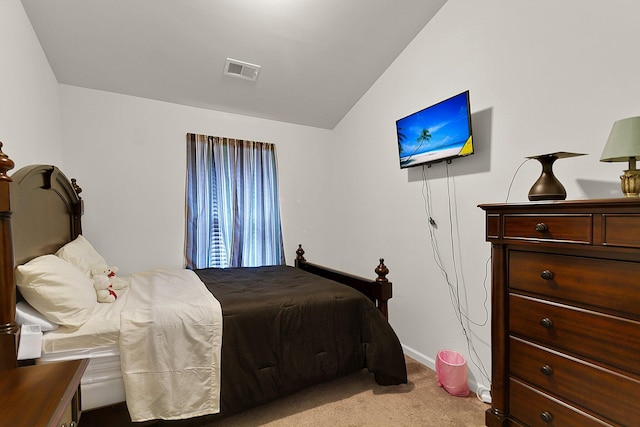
x=6 y=164
x=300 y=255
x=383 y=290
x=78 y=209
x=76 y=187
x=382 y=271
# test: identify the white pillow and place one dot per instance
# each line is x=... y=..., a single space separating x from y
x=27 y=315
x=82 y=255
x=57 y=289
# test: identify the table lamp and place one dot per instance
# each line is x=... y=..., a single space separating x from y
x=623 y=145
x=547 y=187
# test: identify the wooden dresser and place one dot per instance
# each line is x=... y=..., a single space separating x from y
x=565 y=313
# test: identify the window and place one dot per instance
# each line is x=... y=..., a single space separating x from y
x=233 y=212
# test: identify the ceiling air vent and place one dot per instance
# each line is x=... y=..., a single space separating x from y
x=242 y=70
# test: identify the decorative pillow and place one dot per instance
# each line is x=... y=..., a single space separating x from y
x=57 y=289
x=27 y=315
x=82 y=255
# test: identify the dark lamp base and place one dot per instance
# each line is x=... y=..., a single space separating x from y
x=547 y=187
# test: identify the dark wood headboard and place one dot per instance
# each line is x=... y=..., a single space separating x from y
x=40 y=211
x=46 y=211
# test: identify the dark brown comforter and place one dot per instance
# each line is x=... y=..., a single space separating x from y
x=285 y=329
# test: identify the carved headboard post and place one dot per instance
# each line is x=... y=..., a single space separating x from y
x=78 y=209
x=8 y=327
x=383 y=288
x=300 y=256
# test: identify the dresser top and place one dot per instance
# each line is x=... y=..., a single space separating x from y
x=616 y=204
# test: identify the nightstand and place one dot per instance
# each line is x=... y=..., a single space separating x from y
x=42 y=395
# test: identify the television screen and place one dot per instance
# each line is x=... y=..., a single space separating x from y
x=439 y=132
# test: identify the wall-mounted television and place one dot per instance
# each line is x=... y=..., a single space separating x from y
x=436 y=133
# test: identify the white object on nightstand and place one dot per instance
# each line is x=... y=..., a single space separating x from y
x=30 y=346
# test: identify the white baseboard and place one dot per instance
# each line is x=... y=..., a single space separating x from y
x=417 y=356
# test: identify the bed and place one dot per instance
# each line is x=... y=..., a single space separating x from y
x=283 y=328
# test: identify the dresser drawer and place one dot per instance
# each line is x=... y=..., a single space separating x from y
x=608 y=339
x=558 y=228
x=622 y=230
x=537 y=409
x=609 y=284
x=605 y=393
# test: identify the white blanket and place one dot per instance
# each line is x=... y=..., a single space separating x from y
x=170 y=343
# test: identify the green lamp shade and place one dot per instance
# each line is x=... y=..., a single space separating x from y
x=624 y=141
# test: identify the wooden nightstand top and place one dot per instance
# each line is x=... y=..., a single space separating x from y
x=38 y=395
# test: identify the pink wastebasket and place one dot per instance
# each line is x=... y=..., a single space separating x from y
x=451 y=370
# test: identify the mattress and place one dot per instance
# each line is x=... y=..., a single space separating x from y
x=96 y=340
x=101 y=384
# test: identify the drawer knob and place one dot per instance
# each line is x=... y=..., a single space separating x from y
x=547 y=370
x=546 y=323
x=547 y=274
x=546 y=417
x=542 y=227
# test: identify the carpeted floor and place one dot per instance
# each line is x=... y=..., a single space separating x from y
x=356 y=400
x=353 y=401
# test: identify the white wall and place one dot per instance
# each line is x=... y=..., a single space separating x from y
x=543 y=76
x=129 y=156
x=30 y=127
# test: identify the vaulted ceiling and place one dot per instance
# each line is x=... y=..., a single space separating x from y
x=317 y=57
